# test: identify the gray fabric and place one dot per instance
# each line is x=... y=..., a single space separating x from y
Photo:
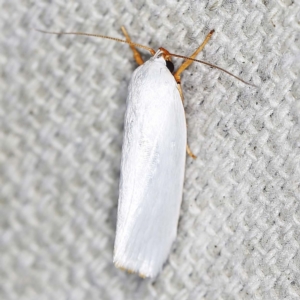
x=62 y=107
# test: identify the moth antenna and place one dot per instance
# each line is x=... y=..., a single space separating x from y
x=100 y=36
x=213 y=66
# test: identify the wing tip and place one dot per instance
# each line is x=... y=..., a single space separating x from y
x=129 y=270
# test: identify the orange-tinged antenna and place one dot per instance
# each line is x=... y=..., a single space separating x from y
x=149 y=49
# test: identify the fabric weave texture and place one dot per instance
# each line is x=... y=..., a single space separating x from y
x=61 y=126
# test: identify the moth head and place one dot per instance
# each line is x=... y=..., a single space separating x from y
x=168 y=58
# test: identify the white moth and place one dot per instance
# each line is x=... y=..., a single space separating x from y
x=152 y=169
x=153 y=161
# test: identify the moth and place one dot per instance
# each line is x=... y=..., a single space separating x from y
x=153 y=159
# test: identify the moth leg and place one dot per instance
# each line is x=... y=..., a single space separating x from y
x=180 y=91
x=136 y=54
x=186 y=63
x=190 y=153
x=188 y=150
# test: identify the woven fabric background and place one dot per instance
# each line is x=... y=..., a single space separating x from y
x=61 y=117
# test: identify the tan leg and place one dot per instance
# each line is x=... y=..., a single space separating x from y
x=190 y=153
x=188 y=150
x=180 y=91
x=177 y=74
x=136 y=54
x=186 y=63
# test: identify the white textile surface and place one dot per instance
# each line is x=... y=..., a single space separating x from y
x=61 y=125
